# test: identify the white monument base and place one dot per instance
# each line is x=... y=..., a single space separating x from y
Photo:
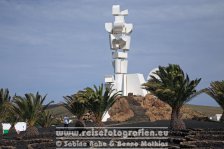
x=105 y=117
x=127 y=83
x=134 y=84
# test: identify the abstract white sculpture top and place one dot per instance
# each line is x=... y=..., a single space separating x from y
x=119 y=31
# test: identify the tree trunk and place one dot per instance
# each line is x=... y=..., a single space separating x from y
x=98 y=121
x=222 y=117
x=31 y=131
x=176 y=122
x=100 y=124
x=12 y=130
x=1 y=131
x=80 y=124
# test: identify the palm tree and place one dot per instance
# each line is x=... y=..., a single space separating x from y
x=99 y=101
x=46 y=119
x=12 y=118
x=76 y=104
x=216 y=91
x=29 y=109
x=175 y=88
x=5 y=104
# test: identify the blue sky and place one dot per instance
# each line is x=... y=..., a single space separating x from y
x=59 y=47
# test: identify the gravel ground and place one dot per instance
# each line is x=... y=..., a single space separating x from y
x=166 y=123
x=49 y=133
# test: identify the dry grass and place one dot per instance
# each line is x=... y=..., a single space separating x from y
x=206 y=110
x=60 y=110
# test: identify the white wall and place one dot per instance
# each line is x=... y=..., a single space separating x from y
x=134 y=84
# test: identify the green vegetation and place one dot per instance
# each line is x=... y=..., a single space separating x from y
x=59 y=110
x=97 y=100
x=46 y=119
x=76 y=104
x=216 y=91
x=173 y=87
x=5 y=104
x=30 y=109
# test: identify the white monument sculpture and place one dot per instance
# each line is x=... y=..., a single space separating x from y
x=120 y=38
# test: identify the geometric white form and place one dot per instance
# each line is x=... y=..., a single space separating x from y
x=120 y=38
x=122 y=55
x=152 y=73
x=118 y=82
x=116 y=10
x=105 y=117
x=134 y=84
x=216 y=117
x=109 y=79
x=120 y=41
x=119 y=31
x=120 y=66
x=108 y=27
x=6 y=127
x=20 y=126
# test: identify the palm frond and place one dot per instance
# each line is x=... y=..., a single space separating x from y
x=29 y=107
x=216 y=91
x=172 y=86
x=5 y=103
